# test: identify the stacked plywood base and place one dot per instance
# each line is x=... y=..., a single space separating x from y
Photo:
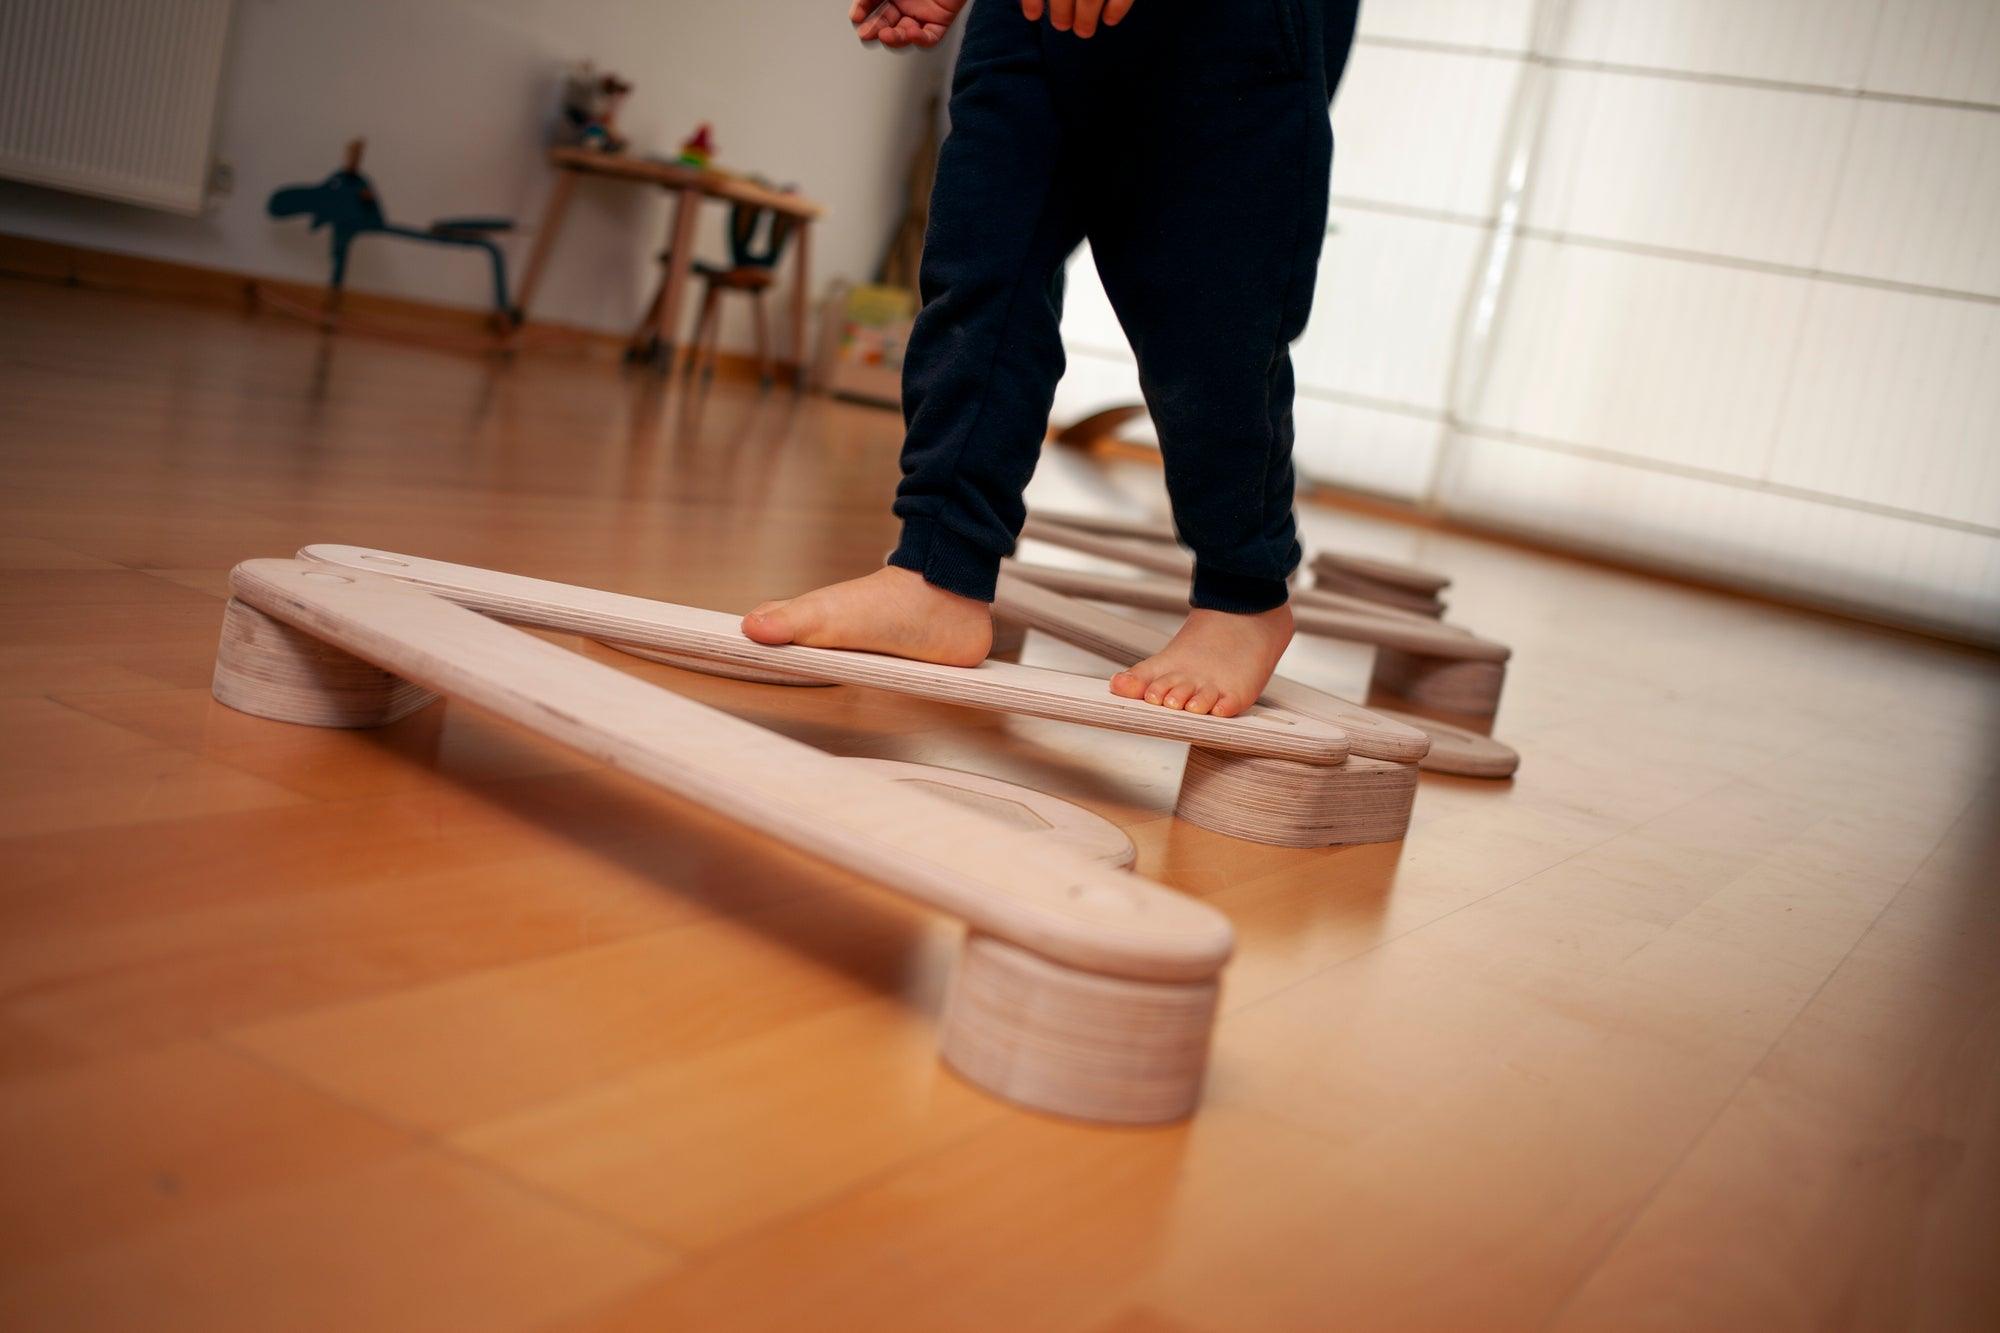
x=1296 y=805
x=1464 y=688
x=1101 y=1048
x=1085 y=990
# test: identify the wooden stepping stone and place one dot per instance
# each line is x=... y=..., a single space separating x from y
x=1082 y=990
x=1005 y=687
x=1417 y=661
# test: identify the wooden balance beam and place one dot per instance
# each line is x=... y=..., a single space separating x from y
x=1172 y=561
x=1390 y=582
x=1269 y=775
x=1083 y=990
x=697 y=636
x=1380 y=735
x=1418 y=662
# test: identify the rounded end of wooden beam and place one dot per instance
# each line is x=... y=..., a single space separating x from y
x=1459 y=752
x=265 y=667
x=709 y=666
x=1073 y=1043
x=1468 y=687
x=1283 y=804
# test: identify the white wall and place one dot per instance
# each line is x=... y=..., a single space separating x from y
x=1748 y=324
x=453 y=97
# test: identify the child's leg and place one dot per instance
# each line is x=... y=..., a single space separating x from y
x=982 y=364
x=1208 y=241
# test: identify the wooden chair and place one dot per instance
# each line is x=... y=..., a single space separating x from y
x=757 y=240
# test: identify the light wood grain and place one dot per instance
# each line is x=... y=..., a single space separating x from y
x=1000 y=686
x=709 y=666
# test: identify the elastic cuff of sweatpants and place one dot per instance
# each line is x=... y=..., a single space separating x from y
x=1242 y=594
x=946 y=560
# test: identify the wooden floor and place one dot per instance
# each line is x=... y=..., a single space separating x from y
x=1694 y=1025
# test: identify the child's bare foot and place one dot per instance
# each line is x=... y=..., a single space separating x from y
x=890 y=611
x=1217 y=663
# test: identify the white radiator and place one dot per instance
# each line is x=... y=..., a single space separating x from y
x=112 y=97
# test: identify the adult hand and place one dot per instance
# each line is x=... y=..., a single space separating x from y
x=1078 y=16
x=903 y=22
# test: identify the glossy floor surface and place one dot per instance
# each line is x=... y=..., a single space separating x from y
x=1693 y=1025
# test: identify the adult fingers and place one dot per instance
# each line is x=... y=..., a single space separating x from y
x=1115 y=10
x=1062 y=14
x=878 y=18
x=1086 y=16
x=1031 y=10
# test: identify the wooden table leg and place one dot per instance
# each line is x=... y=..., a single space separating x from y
x=687 y=211
x=545 y=239
x=801 y=297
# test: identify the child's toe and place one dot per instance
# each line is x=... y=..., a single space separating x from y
x=1178 y=695
x=1128 y=686
x=1204 y=699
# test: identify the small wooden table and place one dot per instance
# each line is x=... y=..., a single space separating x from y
x=689 y=186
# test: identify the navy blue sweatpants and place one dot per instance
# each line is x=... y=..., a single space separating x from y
x=1190 y=145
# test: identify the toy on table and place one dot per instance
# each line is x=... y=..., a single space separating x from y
x=589 y=107
x=699 y=149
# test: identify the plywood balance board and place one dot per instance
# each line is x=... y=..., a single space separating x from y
x=1418 y=661
x=1373 y=733
x=1385 y=582
x=693 y=633
x=1084 y=990
x=1370 y=798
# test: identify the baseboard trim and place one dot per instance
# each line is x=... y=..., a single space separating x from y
x=394 y=317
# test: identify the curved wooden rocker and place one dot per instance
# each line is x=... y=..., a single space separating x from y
x=1084 y=990
x=705 y=636
x=1419 y=662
